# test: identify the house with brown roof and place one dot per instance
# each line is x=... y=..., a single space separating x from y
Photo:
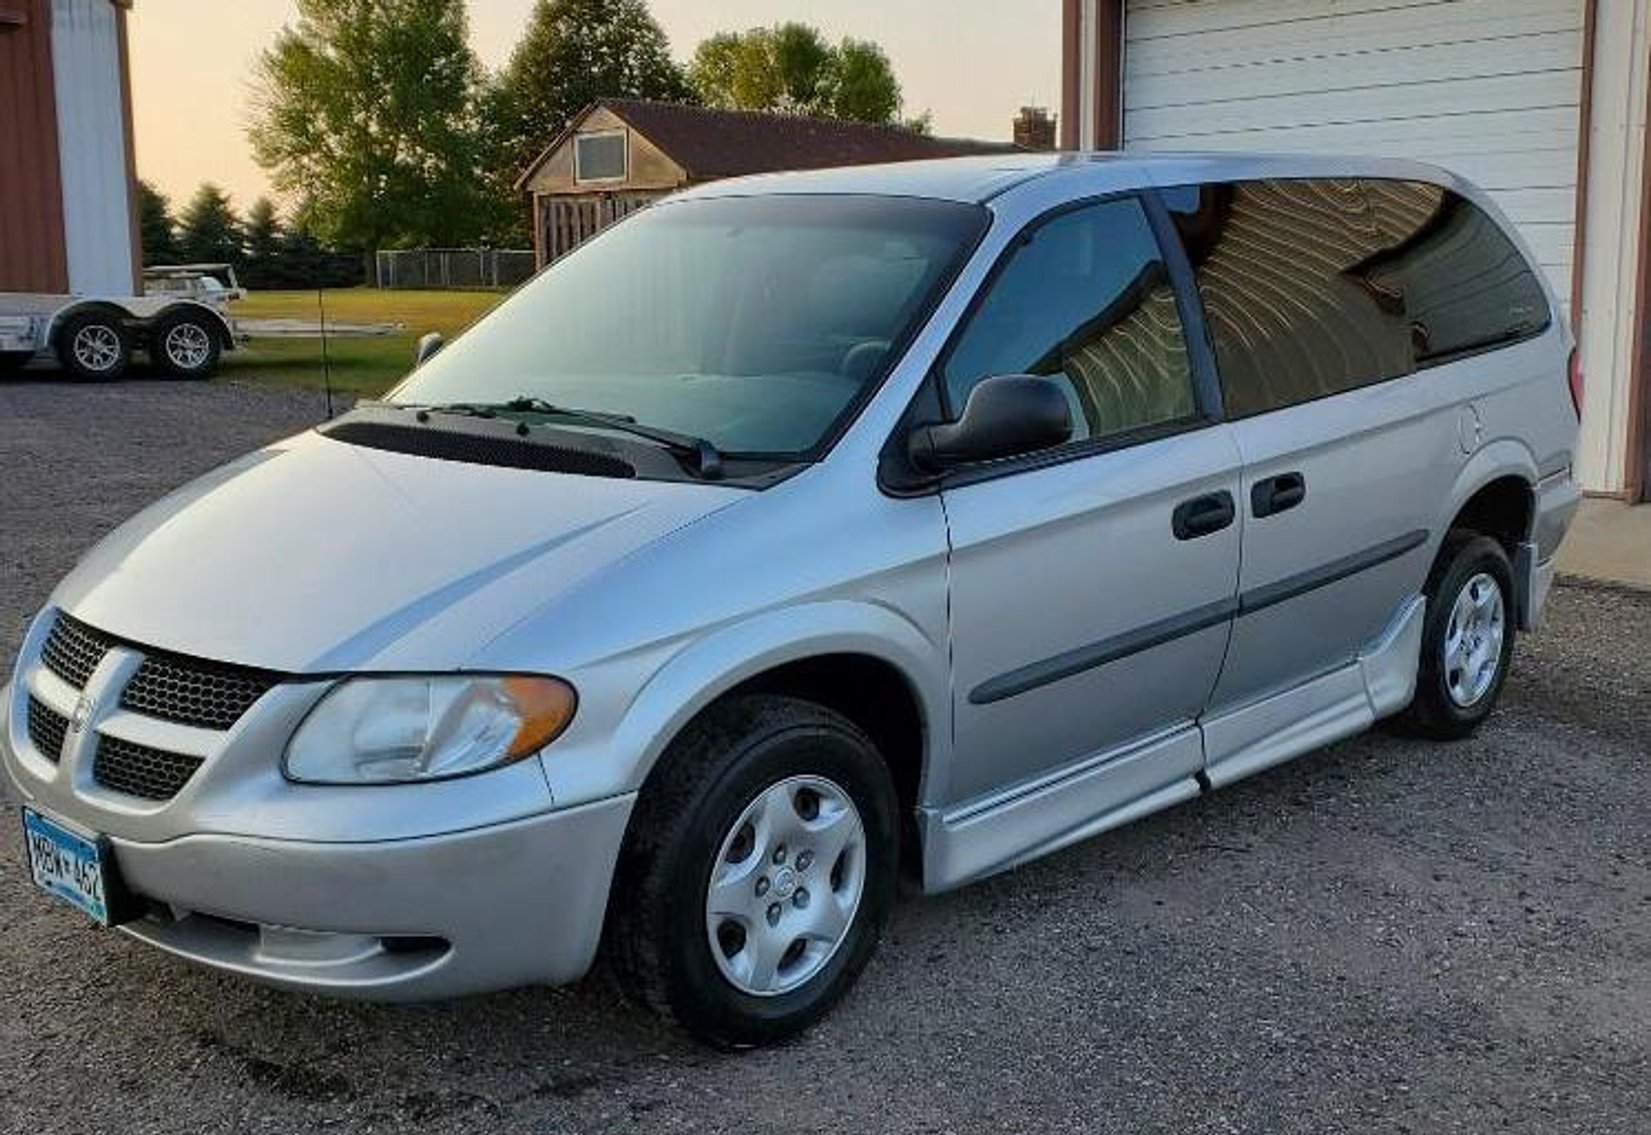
x=618 y=155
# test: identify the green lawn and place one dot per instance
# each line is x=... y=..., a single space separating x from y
x=364 y=366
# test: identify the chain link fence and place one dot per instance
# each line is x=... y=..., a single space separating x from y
x=454 y=267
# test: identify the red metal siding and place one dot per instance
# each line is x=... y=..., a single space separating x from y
x=32 y=255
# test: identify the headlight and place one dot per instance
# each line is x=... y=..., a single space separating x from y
x=396 y=730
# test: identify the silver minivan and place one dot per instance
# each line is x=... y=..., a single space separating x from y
x=799 y=535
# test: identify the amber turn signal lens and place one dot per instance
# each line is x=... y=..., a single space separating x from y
x=545 y=707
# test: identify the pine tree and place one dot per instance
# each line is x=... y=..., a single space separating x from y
x=157 y=229
x=209 y=232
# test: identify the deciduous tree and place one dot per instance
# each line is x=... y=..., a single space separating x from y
x=864 y=87
x=368 y=108
x=792 y=68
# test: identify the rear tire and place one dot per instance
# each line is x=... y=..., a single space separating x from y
x=1467 y=639
x=93 y=346
x=758 y=871
x=185 y=344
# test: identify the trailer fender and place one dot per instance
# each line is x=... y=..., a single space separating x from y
x=105 y=307
x=140 y=324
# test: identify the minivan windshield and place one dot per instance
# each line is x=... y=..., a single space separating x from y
x=755 y=323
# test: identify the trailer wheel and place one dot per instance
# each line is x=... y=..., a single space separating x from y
x=92 y=345
x=185 y=343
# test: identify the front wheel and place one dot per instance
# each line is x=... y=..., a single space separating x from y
x=1467 y=639
x=758 y=872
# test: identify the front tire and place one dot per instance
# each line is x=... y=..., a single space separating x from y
x=93 y=346
x=1467 y=639
x=758 y=872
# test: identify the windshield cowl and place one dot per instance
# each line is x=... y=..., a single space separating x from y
x=507 y=442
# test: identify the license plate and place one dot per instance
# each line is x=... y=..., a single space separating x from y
x=67 y=865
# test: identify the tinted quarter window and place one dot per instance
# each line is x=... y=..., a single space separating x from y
x=1466 y=286
x=1084 y=299
x=1315 y=287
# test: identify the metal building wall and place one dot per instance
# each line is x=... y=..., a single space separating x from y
x=31 y=206
x=1614 y=309
x=93 y=145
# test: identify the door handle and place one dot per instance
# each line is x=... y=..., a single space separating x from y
x=1276 y=494
x=1203 y=516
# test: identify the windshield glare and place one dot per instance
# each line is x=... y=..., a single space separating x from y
x=753 y=322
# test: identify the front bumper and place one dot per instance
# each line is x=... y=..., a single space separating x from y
x=379 y=909
x=517 y=904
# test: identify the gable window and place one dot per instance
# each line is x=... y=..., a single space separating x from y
x=599 y=156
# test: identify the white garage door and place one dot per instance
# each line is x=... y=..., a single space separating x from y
x=1489 y=88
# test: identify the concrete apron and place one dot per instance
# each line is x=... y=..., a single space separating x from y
x=1609 y=542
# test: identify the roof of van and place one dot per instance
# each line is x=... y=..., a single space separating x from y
x=979 y=179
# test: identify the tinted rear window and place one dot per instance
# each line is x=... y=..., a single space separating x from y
x=1315 y=287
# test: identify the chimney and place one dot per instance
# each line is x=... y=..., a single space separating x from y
x=1035 y=128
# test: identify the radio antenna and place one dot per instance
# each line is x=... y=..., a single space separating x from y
x=326 y=359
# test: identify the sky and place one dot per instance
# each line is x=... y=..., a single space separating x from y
x=971 y=63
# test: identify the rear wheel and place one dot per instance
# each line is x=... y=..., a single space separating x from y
x=186 y=344
x=1467 y=640
x=94 y=346
x=758 y=872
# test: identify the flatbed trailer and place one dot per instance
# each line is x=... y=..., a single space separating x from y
x=180 y=322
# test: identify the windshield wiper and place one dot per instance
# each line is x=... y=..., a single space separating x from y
x=706 y=457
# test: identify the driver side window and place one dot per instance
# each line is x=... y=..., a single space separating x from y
x=1084 y=300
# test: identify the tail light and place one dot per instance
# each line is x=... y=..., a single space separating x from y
x=1575 y=375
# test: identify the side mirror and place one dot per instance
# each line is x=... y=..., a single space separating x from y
x=1006 y=416
x=428 y=345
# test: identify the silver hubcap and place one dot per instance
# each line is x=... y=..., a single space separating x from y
x=1473 y=640
x=187 y=346
x=786 y=885
x=97 y=347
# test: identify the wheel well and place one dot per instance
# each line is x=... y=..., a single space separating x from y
x=874 y=695
x=1502 y=510
x=226 y=339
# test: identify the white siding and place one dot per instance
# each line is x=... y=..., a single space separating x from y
x=91 y=136
x=1489 y=88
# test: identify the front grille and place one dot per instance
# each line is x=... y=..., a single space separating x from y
x=165 y=687
x=209 y=695
x=73 y=650
x=47 y=728
x=169 y=687
x=138 y=770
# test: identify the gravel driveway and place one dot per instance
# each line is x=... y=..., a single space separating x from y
x=1386 y=936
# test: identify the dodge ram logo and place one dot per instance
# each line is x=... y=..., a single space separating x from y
x=82 y=712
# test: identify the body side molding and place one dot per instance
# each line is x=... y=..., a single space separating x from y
x=1091 y=655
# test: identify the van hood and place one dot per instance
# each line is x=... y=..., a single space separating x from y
x=314 y=555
